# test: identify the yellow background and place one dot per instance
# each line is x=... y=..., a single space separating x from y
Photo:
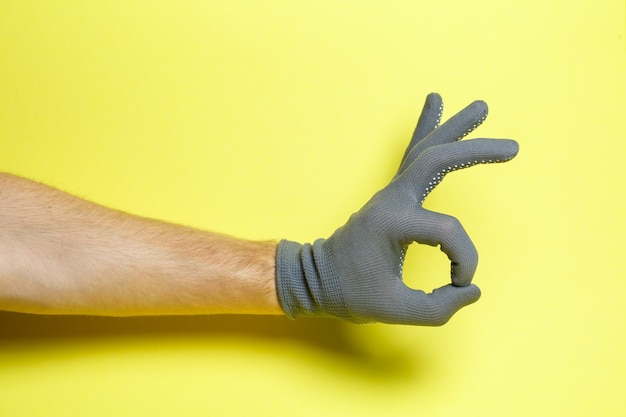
x=275 y=119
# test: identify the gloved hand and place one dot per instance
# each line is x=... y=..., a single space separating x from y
x=356 y=274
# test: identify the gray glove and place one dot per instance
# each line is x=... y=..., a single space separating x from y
x=356 y=274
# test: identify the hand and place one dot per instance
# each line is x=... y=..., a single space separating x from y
x=356 y=274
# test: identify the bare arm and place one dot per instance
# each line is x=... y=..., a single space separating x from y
x=60 y=254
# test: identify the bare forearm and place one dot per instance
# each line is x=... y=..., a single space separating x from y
x=63 y=255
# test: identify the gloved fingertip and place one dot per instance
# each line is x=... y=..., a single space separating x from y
x=480 y=107
x=473 y=294
x=462 y=272
x=480 y=104
x=513 y=148
x=433 y=97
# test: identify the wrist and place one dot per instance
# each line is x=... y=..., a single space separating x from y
x=293 y=296
x=308 y=281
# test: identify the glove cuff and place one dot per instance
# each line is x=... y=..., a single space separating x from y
x=307 y=282
x=290 y=280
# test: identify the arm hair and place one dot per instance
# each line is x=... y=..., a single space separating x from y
x=60 y=254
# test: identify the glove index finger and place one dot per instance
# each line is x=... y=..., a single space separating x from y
x=447 y=232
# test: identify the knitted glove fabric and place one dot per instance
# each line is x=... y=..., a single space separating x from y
x=356 y=274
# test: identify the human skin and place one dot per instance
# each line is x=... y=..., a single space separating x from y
x=60 y=254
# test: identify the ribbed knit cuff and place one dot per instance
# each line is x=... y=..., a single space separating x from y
x=290 y=280
x=308 y=282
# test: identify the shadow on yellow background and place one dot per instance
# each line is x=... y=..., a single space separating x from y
x=278 y=119
x=328 y=337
